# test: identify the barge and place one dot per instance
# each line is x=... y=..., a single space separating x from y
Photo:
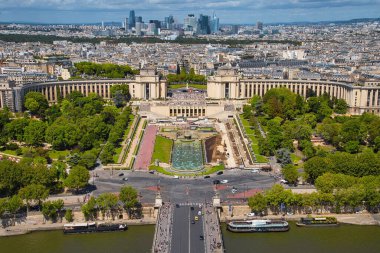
x=318 y=222
x=252 y=226
x=90 y=227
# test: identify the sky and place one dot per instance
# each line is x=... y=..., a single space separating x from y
x=229 y=11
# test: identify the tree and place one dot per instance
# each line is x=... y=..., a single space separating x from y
x=11 y=175
x=88 y=159
x=52 y=209
x=15 y=129
x=128 y=195
x=89 y=209
x=352 y=147
x=316 y=166
x=258 y=203
x=107 y=153
x=341 y=106
x=69 y=215
x=34 y=133
x=290 y=174
x=280 y=102
x=33 y=192
x=36 y=103
x=77 y=178
x=283 y=156
x=14 y=204
x=107 y=203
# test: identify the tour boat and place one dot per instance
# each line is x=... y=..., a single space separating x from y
x=250 y=226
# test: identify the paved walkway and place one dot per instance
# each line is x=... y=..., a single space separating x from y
x=163 y=234
x=231 y=163
x=146 y=149
x=213 y=234
x=135 y=142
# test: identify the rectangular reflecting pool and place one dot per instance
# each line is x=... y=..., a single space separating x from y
x=187 y=155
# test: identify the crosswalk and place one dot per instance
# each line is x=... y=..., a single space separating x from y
x=190 y=204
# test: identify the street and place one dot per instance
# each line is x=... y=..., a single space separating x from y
x=180 y=190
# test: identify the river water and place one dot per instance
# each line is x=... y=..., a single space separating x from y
x=342 y=239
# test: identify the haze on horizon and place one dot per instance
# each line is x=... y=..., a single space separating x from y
x=230 y=11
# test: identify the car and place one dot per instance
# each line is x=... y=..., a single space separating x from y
x=234 y=191
x=216 y=182
x=192 y=208
x=199 y=212
x=283 y=181
x=207 y=177
x=201 y=237
x=225 y=181
x=251 y=214
x=177 y=205
x=192 y=222
x=125 y=179
x=121 y=174
x=255 y=171
x=219 y=173
x=176 y=177
x=196 y=218
x=151 y=171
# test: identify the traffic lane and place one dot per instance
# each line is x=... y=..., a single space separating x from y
x=179 y=190
x=181 y=227
x=197 y=245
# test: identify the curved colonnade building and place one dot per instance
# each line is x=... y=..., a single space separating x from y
x=224 y=89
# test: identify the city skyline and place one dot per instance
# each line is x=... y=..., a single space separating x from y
x=237 y=12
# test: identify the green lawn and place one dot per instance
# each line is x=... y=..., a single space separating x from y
x=295 y=158
x=162 y=149
x=117 y=154
x=131 y=118
x=214 y=169
x=9 y=152
x=196 y=86
x=54 y=154
x=255 y=143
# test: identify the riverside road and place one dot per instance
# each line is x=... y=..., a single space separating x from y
x=196 y=190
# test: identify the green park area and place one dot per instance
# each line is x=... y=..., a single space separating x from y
x=254 y=141
x=162 y=149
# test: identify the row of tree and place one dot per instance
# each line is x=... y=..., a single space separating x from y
x=350 y=133
x=107 y=70
x=278 y=200
x=184 y=77
x=363 y=164
x=49 y=39
x=109 y=204
x=32 y=177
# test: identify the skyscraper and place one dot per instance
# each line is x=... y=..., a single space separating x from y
x=203 y=24
x=126 y=25
x=190 y=23
x=214 y=24
x=132 y=19
x=139 y=19
x=259 y=25
x=169 y=22
x=138 y=28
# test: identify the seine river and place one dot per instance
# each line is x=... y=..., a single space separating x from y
x=345 y=239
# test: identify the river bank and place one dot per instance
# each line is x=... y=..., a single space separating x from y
x=240 y=213
x=22 y=229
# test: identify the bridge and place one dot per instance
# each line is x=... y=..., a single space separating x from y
x=187 y=227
